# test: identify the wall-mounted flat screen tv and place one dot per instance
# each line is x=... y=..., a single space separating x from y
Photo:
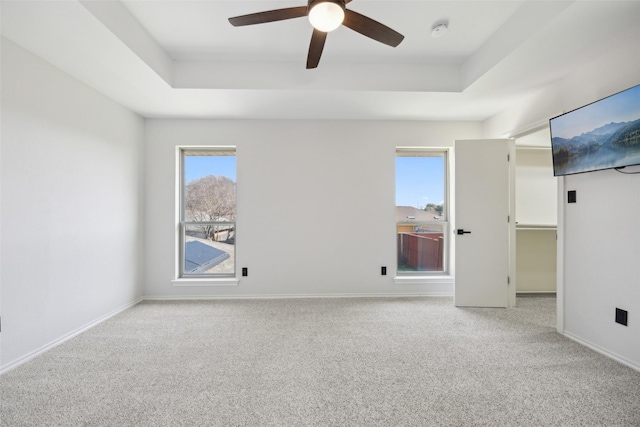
x=601 y=135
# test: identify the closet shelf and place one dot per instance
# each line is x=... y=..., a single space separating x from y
x=536 y=227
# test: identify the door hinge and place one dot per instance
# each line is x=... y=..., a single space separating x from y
x=508 y=157
x=508 y=218
x=508 y=280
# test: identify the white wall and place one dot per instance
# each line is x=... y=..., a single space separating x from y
x=535 y=260
x=536 y=188
x=71 y=206
x=599 y=235
x=593 y=82
x=602 y=261
x=316 y=203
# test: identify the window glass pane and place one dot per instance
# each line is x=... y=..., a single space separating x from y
x=210 y=188
x=420 y=183
x=208 y=213
x=421 y=211
x=209 y=249
x=420 y=247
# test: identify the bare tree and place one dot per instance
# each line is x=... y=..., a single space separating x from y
x=211 y=198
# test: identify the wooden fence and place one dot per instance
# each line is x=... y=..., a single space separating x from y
x=422 y=251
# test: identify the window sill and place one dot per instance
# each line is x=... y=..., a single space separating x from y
x=208 y=281
x=424 y=280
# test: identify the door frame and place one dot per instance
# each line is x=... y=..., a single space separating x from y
x=512 y=222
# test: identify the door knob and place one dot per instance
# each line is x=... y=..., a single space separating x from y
x=461 y=231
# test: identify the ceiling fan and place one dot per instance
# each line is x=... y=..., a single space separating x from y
x=325 y=16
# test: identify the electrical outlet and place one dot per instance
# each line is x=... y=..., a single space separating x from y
x=245 y=271
x=383 y=271
x=621 y=316
x=571 y=196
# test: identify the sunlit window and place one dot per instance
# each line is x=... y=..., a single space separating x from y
x=207 y=212
x=421 y=211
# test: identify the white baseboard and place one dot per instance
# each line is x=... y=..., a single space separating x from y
x=24 y=359
x=603 y=351
x=292 y=296
x=535 y=292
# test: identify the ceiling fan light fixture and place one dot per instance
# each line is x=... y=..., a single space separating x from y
x=326 y=15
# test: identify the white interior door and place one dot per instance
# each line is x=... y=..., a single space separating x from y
x=483 y=230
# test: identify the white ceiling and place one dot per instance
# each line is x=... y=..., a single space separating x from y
x=200 y=30
x=178 y=58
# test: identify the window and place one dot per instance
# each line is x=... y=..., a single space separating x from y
x=421 y=211
x=207 y=212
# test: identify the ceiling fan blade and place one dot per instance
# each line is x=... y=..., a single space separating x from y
x=372 y=29
x=269 y=16
x=315 y=48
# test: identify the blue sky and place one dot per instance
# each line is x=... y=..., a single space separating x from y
x=199 y=166
x=621 y=107
x=419 y=180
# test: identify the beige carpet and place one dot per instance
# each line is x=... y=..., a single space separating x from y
x=323 y=362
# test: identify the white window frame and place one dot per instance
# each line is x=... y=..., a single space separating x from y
x=211 y=279
x=408 y=277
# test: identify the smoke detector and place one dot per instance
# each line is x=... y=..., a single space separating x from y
x=439 y=29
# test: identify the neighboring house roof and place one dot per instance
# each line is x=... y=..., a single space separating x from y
x=200 y=257
x=411 y=214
